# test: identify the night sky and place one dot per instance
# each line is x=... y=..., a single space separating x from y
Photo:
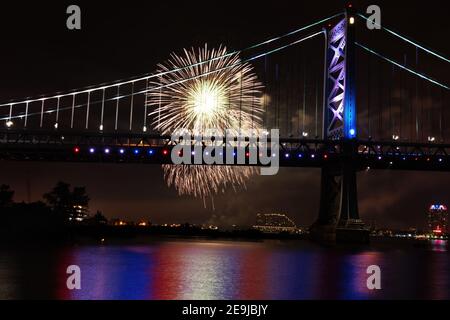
x=124 y=39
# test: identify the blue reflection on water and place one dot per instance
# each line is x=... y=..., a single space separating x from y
x=113 y=272
x=227 y=270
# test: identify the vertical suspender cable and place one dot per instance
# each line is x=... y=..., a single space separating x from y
x=103 y=110
x=368 y=95
x=10 y=111
x=117 y=108
x=265 y=94
x=57 y=113
x=240 y=104
x=131 y=105
x=144 y=128
x=317 y=109
x=417 y=96
x=441 y=115
x=41 y=123
x=87 y=110
x=26 y=114
x=304 y=96
x=287 y=101
x=73 y=111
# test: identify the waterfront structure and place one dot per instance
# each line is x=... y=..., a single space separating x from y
x=437 y=220
x=274 y=223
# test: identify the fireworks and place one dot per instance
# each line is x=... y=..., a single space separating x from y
x=222 y=93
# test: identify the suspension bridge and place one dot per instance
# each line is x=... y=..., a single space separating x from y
x=340 y=104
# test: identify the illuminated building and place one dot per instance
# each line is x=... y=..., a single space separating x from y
x=274 y=223
x=118 y=222
x=437 y=220
x=79 y=213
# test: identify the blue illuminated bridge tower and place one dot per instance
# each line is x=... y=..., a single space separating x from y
x=338 y=213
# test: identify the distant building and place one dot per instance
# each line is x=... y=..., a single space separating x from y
x=119 y=222
x=437 y=220
x=274 y=223
x=78 y=213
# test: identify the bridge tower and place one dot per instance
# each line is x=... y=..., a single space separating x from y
x=338 y=213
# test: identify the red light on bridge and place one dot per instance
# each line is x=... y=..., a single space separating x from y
x=165 y=152
x=325 y=156
x=76 y=150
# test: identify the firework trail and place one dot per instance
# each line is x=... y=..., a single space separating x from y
x=222 y=93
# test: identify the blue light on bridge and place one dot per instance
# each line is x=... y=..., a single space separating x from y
x=107 y=150
x=122 y=151
x=300 y=156
x=352 y=133
x=91 y=150
x=136 y=151
x=150 y=152
x=287 y=155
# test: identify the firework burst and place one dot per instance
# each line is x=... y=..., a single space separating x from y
x=221 y=93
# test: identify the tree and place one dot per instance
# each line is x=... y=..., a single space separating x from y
x=99 y=218
x=6 y=196
x=62 y=200
x=59 y=199
x=79 y=196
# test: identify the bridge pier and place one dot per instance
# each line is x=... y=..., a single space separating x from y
x=338 y=219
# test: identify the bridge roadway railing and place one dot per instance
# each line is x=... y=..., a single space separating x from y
x=128 y=147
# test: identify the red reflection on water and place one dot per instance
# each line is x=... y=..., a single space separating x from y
x=64 y=258
x=439 y=245
x=167 y=272
x=437 y=277
x=254 y=276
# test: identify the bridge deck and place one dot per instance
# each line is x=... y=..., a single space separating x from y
x=156 y=149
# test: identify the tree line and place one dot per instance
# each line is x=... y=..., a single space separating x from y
x=50 y=215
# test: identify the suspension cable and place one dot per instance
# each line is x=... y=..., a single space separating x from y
x=91 y=88
x=417 y=45
x=147 y=90
x=403 y=67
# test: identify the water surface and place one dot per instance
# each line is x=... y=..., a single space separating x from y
x=210 y=269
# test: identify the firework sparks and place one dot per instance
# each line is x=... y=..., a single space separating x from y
x=222 y=93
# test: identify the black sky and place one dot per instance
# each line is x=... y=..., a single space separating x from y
x=124 y=39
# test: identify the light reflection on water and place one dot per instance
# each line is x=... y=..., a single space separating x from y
x=226 y=270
